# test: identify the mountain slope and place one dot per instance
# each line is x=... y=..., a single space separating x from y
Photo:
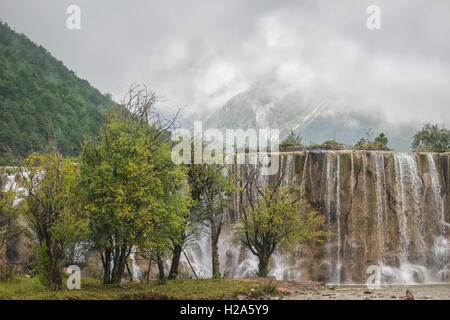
x=269 y=106
x=38 y=95
x=263 y=105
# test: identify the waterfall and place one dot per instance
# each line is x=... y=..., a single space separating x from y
x=11 y=184
x=417 y=190
x=412 y=246
x=380 y=189
x=409 y=174
x=136 y=272
x=338 y=217
x=441 y=246
x=333 y=202
x=328 y=201
x=382 y=208
x=401 y=209
x=352 y=175
x=304 y=172
x=357 y=185
x=289 y=176
x=436 y=190
x=352 y=211
x=365 y=234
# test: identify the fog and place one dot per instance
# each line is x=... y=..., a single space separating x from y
x=198 y=54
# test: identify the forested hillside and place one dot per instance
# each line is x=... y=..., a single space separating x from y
x=39 y=95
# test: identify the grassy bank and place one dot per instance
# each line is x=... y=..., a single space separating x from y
x=92 y=289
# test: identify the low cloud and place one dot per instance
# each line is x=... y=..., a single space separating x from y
x=200 y=54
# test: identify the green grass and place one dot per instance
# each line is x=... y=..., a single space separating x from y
x=92 y=289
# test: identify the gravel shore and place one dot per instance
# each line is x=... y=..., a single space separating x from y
x=394 y=292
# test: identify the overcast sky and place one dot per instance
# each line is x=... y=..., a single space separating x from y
x=200 y=53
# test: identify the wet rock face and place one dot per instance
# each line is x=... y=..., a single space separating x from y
x=383 y=209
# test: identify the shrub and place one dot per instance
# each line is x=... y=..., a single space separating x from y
x=379 y=143
x=327 y=145
x=7 y=272
x=431 y=138
x=266 y=289
x=291 y=140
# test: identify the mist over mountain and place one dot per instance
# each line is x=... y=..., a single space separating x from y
x=270 y=105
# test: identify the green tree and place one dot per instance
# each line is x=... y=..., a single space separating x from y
x=134 y=195
x=431 y=138
x=379 y=143
x=190 y=231
x=275 y=216
x=8 y=217
x=292 y=139
x=382 y=141
x=212 y=185
x=51 y=211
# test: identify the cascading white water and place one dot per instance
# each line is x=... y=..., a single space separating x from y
x=136 y=271
x=333 y=198
x=328 y=202
x=352 y=211
x=11 y=184
x=412 y=245
x=417 y=190
x=338 y=218
x=401 y=209
x=304 y=173
x=380 y=189
x=441 y=246
x=365 y=194
x=288 y=175
x=436 y=191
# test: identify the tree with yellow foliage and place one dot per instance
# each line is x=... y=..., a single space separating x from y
x=50 y=208
x=134 y=195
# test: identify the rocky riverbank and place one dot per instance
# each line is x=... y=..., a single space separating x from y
x=323 y=292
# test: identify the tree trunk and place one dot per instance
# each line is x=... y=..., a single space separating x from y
x=263 y=265
x=148 y=270
x=120 y=257
x=106 y=262
x=54 y=274
x=176 y=255
x=160 y=267
x=175 y=261
x=215 y=231
x=129 y=271
x=215 y=251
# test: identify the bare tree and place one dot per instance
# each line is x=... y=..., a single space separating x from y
x=140 y=104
